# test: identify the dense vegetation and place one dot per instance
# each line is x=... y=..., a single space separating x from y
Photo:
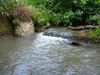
x=66 y=12
x=57 y=12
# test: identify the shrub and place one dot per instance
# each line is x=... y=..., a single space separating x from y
x=95 y=20
x=67 y=12
x=23 y=13
x=7 y=6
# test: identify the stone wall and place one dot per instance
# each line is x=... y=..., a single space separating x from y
x=24 y=29
x=22 y=20
x=19 y=29
x=5 y=26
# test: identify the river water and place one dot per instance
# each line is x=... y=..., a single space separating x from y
x=47 y=55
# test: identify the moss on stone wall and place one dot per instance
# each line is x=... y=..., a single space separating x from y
x=5 y=25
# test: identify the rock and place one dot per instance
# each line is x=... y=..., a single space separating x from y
x=24 y=29
x=78 y=28
x=90 y=27
x=69 y=27
x=75 y=43
x=22 y=20
x=83 y=27
x=42 y=26
x=57 y=34
x=5 y=26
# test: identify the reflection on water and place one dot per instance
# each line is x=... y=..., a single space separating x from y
x=45 y=55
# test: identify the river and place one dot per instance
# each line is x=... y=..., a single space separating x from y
x=47 y=55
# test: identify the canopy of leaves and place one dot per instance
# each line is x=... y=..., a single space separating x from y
x=65 y=12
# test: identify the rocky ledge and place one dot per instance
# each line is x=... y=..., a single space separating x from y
x=84 y=27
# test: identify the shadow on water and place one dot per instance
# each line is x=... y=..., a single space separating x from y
x=47 y=55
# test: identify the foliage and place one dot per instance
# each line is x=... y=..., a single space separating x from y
x=55 y=12
x=95 y=33
x=94 y=20
x=23 y=13
x=6 y=7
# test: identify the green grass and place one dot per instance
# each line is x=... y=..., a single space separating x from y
x=95 y=33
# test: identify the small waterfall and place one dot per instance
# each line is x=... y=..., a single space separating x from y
x=42 y=40
x=62 y=33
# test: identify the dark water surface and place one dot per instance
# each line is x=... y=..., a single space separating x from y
x=46 y=55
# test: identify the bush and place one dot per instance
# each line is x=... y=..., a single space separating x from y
x=7 y=6
x=23 y=13
x=65 y=12
x=95 y=20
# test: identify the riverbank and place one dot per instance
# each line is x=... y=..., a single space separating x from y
x=79 y=32
x=76 y=36
x=86 y=33
x=85 y=36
